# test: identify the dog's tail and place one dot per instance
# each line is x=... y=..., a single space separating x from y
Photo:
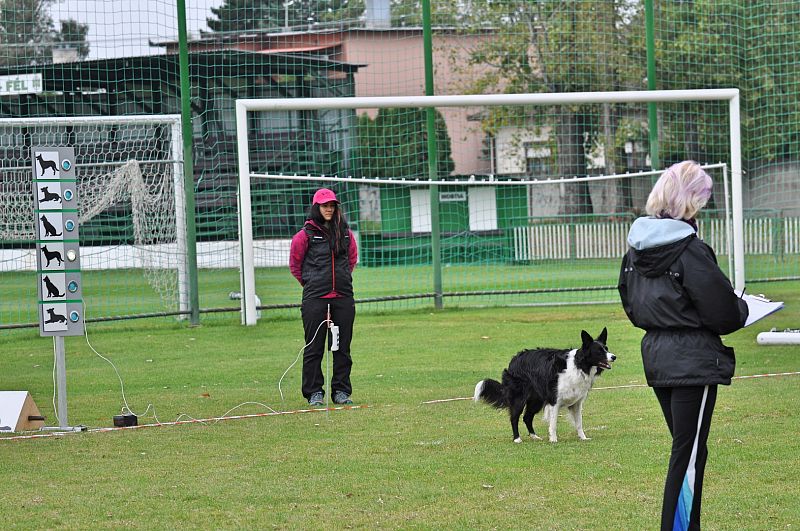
x=491 y=392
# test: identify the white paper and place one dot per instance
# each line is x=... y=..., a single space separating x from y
x=758 y=306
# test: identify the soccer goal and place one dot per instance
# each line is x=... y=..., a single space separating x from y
x=131 y=210
x=543 y=223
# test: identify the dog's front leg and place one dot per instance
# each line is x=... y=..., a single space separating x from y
x=552 y=416
x=576 y=410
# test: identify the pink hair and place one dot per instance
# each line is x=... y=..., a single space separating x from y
x=681 y=191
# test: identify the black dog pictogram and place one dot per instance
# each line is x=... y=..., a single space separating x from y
x=45 y=165
x=51 y=255
x=52 y=290
x=49 y=229
x=48 y=195
x=53 y=317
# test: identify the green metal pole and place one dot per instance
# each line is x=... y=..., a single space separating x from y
x=433 y=162
x=652 y=109
x=188 y=165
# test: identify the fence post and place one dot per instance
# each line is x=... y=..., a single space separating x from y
x=433 y=164
x=778 y=243
x=188 y=164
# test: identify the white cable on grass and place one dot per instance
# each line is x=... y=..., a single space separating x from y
x=222 y=417
x=151 y=406
x=121 y=384
x=298 y=355
x=178 y=419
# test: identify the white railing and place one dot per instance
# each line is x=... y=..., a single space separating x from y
x=791 y=230
x=608 y=240
x=598 y=240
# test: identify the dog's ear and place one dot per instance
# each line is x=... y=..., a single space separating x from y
x=586 y=338
x=602 y=337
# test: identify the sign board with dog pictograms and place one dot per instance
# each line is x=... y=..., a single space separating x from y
x=58 y=251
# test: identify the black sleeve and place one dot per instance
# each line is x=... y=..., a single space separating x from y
x=622 y=287
x=720 y=310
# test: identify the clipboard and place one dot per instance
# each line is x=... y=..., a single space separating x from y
x=758 y=306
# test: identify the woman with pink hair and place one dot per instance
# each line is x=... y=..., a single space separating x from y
x=672 y=287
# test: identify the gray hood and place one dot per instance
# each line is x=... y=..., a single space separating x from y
x=647 y=233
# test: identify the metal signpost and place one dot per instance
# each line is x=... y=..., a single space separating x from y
x=58 y=256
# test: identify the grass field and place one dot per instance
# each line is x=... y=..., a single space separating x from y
x=399 y=462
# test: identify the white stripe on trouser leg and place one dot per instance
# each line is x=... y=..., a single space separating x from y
x=683 y=510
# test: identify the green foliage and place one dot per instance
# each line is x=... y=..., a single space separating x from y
x=74 y=34
x=255 y=15
x=245 y=15
x=394 y=144
x=770 y=81
x=27 y=33
x=546 y=46
x=560 y=46
x=408 y=13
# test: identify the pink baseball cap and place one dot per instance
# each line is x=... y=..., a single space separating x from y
x=323 y=195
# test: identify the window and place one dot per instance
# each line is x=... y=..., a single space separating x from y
x=482 y=208
x=537 y=159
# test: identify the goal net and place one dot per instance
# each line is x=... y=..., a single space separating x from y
x=543 y=221
x=131 y=214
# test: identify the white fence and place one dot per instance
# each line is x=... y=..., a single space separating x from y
x=608 y=240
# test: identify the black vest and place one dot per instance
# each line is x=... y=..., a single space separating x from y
x=326 y=270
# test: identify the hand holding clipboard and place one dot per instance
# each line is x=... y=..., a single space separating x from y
x=758 y=306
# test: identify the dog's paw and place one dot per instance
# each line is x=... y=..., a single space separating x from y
x=518 y=440
x=535 y=437
x=553 y=439
x=585 y=438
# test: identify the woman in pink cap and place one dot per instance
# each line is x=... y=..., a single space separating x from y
x=322 y=258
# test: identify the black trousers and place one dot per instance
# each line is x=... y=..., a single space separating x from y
x=343 y=314
x=687 y=411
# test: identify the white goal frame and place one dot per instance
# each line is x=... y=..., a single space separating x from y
x=243 y=106
x=175 y=157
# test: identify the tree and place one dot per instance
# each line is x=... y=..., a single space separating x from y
x=559 y=46
x=729 y=43
x=245 y=15
x=73 y=34
x=27 y=33
x=264 y=15
x=395 y=145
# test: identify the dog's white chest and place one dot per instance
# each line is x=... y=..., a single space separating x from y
x=573 y=383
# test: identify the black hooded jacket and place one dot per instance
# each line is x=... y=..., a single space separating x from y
x=671 y=286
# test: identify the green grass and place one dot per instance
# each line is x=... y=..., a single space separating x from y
x=399 y=463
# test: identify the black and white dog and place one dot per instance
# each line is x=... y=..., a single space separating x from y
x=549 y=378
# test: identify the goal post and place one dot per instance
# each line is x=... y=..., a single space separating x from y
x=132 y=192
x=246 y=106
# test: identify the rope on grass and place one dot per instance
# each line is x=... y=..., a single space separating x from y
x=179 y=422
x=743 y=377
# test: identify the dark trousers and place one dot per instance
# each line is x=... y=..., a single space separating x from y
x=687 y=411
x=343 y=314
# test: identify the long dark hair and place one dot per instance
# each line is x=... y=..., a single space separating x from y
x=337 y=226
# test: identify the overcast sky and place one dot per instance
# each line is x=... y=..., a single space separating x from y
x=124 y=27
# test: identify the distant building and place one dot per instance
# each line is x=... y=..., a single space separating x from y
x=151 y=85
x=391 y=63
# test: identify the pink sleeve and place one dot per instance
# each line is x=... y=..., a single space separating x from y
x=297 y=253
x=353 y=252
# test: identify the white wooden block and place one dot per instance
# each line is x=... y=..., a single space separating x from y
x=15 y=408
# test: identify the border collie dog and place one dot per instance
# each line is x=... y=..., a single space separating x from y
x=549 y=378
